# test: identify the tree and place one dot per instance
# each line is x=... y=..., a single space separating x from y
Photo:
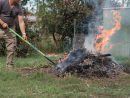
x=125 y=3
x=24 y=2
x=57 y=17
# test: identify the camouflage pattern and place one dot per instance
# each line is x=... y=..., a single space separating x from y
x=10 y=40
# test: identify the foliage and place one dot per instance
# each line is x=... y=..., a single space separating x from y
x=24 y=2
x=56 y=17
x=24 y=49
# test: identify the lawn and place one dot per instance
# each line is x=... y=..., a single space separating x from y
x=39 y=84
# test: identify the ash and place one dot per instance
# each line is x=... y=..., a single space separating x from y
x=85 y=63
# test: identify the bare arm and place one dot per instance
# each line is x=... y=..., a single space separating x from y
x=21 y=24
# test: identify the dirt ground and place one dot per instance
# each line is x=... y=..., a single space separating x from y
x=28 y=70
x=121 y=79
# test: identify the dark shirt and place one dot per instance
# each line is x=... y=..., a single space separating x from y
x=8 y=14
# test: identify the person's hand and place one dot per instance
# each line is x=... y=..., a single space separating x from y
x=4 y=25
x=24 y=36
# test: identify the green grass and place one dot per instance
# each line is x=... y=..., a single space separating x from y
x=123 y=60
x=33 y=61
x=42 y=85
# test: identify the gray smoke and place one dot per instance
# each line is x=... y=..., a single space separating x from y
x=96 y=20
x=89 y=42
x=83 y=58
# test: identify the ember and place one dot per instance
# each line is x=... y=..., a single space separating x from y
x=85 y=63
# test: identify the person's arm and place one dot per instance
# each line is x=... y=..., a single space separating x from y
x=22 y=26
x=2 y=23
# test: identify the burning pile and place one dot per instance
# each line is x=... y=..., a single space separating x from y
x=92 y=59
x=84 y=63
x=103 y=38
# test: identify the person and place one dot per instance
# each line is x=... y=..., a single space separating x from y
x=9 y=11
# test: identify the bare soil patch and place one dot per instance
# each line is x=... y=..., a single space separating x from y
x=30 y=70
x=119 y=80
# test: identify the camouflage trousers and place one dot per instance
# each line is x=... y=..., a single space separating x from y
x=10 y=40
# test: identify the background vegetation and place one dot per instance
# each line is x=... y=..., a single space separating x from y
x=52 y=31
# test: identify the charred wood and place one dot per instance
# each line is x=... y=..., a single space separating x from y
x=85 y=63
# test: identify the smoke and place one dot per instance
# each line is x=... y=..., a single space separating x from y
x=107 y=4
x=96 y=20
x=89 y=42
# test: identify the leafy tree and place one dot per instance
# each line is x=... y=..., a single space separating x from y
x=24 y=2
x=56 y=17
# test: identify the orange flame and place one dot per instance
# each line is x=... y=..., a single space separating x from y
x=103 y=38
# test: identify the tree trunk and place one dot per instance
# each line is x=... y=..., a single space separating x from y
x=78 y=42
x=54 y=38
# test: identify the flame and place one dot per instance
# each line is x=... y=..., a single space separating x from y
x=103 y=38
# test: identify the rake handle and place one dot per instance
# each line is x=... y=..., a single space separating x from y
x=11 y=30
